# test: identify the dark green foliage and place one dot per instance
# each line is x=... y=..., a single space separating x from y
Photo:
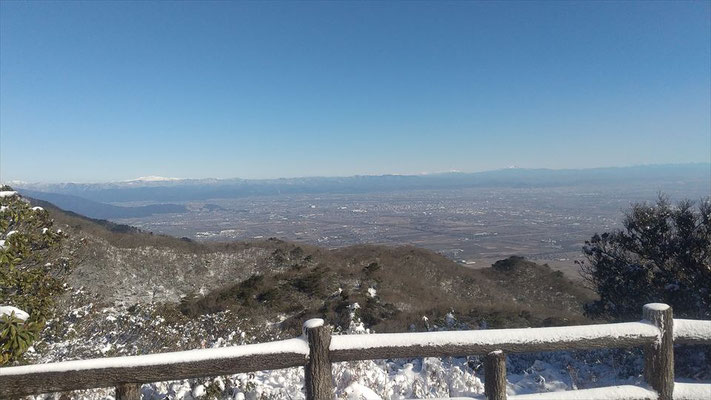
x=371 y=268
x=336 y=309
x=213 y=391
x=16 y=336
x=662 y=254
x=509 y=264
x=279 y=257
x=26 y=282
x=255 y=294
x=311 y=283
x=374 y=311
x=252 y=282
x=296 y=253
x=427 y=284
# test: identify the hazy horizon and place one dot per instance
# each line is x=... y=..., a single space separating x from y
x=157 y=178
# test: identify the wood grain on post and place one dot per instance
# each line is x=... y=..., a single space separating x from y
x=495 y=375
x=319 y=385
x=659 y=356
x=128 y=391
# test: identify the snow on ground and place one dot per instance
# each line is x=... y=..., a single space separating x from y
x=8 y=310
x=607 y=393
x=359 y=380
x=692 y=391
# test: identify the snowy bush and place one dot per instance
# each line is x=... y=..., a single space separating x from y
x=26 y=282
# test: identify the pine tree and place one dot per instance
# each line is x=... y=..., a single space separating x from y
x=662 y=254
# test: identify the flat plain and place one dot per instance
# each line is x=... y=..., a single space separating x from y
x=475 y=226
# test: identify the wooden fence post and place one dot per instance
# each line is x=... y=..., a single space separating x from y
x=495 y=375
x=659 y=356
x=128 y=391
x=319 y=385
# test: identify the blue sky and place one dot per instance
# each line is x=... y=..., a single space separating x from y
x=97 y=91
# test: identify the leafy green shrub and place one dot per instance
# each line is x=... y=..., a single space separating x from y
x=16 y=336
x=662 y=254
x=26 y=281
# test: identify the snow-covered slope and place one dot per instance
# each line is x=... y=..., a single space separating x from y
x=381 y=379
x=132 y=283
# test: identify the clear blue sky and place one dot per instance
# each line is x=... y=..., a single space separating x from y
x=102 y=91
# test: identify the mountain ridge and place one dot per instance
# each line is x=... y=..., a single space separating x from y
x=121 y=267
x=155 y=179
x=98 y=210
x=202 y=189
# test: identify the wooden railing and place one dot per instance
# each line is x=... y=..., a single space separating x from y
x=317 y=349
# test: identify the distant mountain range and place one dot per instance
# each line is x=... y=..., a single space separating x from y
x=95 y=209
x=156 y=189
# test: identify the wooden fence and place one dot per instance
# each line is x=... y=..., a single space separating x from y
x=317 y=349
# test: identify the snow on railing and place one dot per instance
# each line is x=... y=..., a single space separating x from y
x=297 y=347
x=316 y=350
x=527 y=340
x=117 y=371
x=692 y=331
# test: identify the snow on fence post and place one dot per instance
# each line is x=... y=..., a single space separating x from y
x=319 y=385
x=659 y=356
x=495 y=375
x=128 y=391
